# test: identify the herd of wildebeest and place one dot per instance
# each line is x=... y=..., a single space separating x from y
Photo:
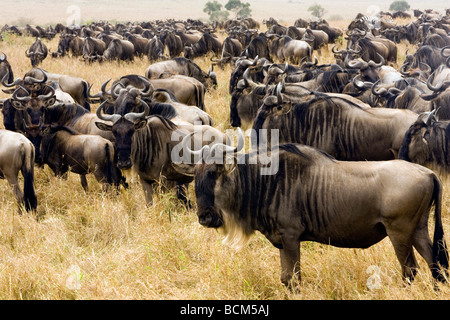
x=361 y=144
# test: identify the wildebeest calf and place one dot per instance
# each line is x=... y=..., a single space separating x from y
x=63 y=150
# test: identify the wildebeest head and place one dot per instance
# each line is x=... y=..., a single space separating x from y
x=368 y=70
x=123 y=128
x=415 y=146
x=216 y=163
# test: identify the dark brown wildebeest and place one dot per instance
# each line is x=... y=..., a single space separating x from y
x=310 y=196
x=181 y=66
x=6 y=73
x=37 y=52
x=139 y=43
x=207 y=43
x=155 y=49
x=258 y=47
x=93 y=48
x=64 y=149
x=69 y=43
x=17 y=154
x=231 y=48
x=173 y=43
x=119 y=50
x=147 y=145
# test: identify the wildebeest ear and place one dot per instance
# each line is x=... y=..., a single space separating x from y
x=140 y=124
x=49 y=102
x=103 y=126
x=284 y=108
x=18 y=105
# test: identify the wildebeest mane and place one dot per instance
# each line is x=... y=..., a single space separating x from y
x=165 y=110
x=148 y=142
x=293 y=148
x=63 y=113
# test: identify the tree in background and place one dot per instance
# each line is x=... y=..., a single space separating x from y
x=241 y=9
x=399 y=5
x=317 y=10
x=215 y=12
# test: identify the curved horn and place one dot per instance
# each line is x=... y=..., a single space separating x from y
x=25 y=99
x=359 y=84
x=134 y=116
x=103 y=88
x=402 y=69
x=113 y=90
x=377 y=65
x=48 y=95
x=442 y=51
x=106 y=117
x=190 y=152
x=29 y=79
x=230 y=149
x=430 y=86
x=9 y=85
x=3 y=56
x=380 y=91
x=279 y=97
x=430 y=118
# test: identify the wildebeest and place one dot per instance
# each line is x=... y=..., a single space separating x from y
x=346 y=129
x=69 y=43
x=93 y=48
x=258 y=47
x=64 y=149
x=310 y=196
x=119 y=50
x=146 y=145
x=17 y=154
x=182 y=66
x=6 y=73
x=207 y=43
x=285 y=49
x=154 y=49
x=230 y=48
x=186 y=89
x=37 y=52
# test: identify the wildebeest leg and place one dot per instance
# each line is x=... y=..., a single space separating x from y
x=423 y=243
x=14 y=183
x=402 y=243
x=290 y=261
x=147 y=186
x=84 y=183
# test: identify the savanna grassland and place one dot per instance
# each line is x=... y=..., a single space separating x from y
x=97 y=245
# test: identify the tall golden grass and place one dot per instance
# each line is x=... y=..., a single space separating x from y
x=96 y=245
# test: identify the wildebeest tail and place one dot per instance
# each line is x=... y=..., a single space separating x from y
x=86 y=104
x=29 y=193
x=440 y=251
x=200 y=97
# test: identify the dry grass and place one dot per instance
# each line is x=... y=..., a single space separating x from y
x=106 y=246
